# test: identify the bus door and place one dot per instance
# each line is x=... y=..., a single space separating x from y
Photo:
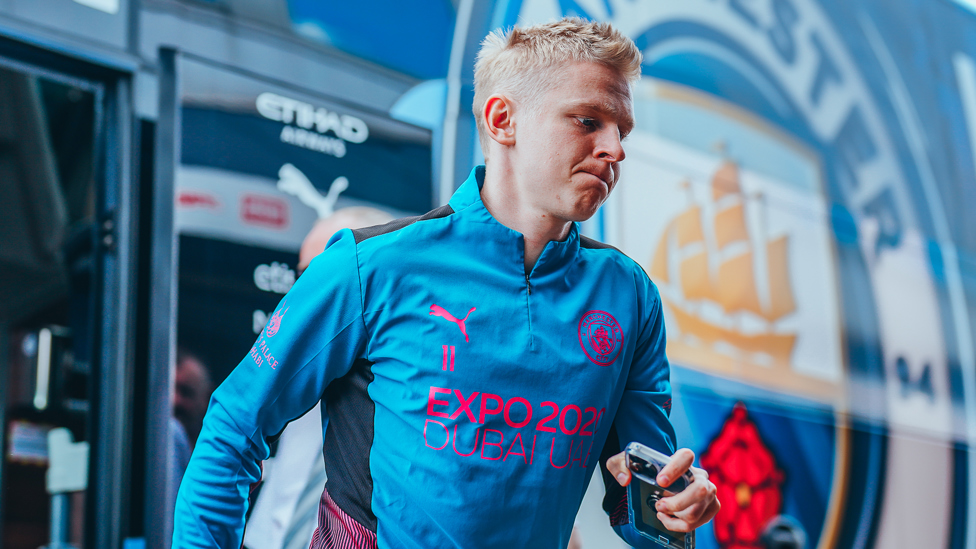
x=64 y=302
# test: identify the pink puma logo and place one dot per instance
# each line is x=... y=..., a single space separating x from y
x=437 y=310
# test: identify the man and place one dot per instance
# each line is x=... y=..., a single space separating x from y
x=474 y=363
x=193 y=388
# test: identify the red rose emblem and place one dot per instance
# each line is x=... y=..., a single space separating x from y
x=748 y=481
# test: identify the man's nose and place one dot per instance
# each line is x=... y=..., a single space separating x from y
x=609 y=147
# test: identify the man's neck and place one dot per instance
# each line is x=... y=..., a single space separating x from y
x=508 y=202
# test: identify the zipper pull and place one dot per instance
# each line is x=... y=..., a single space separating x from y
x=528 y=285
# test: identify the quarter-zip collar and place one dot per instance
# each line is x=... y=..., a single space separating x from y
x=467 y=204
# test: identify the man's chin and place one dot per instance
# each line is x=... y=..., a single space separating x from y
x=587 y=208
x=581 y=214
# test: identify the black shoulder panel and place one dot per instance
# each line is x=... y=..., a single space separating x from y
x=587 y=242
x=397 y=224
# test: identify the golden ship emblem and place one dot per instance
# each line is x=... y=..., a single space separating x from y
x=730 y=289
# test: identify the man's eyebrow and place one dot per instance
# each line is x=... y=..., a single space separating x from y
x=605 y=107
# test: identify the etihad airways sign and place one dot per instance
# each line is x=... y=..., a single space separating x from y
x=307 y=126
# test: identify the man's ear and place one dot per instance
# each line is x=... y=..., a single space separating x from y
x=498 y=118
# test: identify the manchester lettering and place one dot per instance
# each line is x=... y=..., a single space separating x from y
x=827 y=71
x=794 y=43
x=781 y=33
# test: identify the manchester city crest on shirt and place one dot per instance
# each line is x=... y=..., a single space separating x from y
x=600 y=337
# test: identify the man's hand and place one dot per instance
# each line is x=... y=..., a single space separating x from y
x=689 y=508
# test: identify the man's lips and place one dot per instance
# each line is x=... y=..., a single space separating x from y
x=605 y=177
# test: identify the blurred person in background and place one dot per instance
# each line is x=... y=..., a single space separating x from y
x=355 y=217
x=380 y=328
x=192 y=395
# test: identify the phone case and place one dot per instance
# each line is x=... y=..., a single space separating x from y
x=643 y=492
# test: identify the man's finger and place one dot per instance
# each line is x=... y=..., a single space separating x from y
x=680 y=462
x=674 y=524
x=695 y=515
x=617 y=465
x=701 y=490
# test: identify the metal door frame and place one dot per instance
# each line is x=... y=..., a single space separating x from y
x=162 y=306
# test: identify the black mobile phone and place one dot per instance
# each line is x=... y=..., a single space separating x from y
x=643 y=493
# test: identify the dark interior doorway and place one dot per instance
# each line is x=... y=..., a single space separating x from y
x=48 y=283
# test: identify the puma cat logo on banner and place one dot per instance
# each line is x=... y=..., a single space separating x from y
x=437 y=310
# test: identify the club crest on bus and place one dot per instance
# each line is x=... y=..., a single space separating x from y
x=600 y=337
x=275 y=323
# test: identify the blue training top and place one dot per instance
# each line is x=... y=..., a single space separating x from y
x=465 y=403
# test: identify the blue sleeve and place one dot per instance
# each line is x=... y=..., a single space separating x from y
x=644 y=408
x=646 y=402
x=313 y=337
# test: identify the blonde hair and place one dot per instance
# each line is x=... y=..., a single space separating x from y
x=519 y=61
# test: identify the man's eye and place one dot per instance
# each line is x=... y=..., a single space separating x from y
x=586 y=122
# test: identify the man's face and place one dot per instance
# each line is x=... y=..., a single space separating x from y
x=192 y=395
x=568 y=147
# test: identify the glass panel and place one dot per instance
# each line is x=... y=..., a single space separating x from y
x=414 y=37
x=47 y=242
